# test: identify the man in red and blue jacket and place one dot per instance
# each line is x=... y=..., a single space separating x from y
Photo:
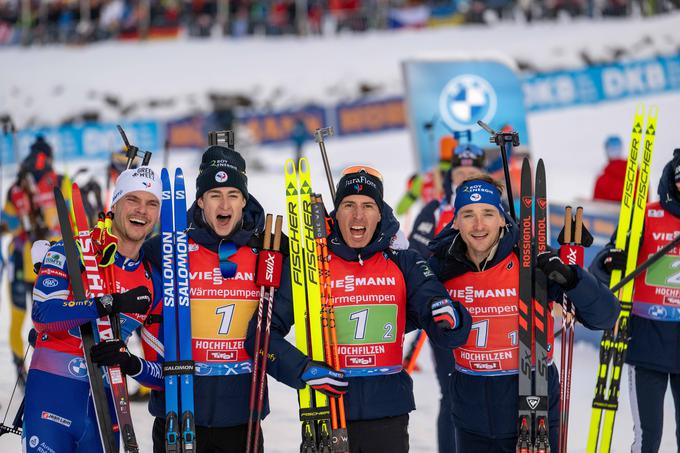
x=59 y=413
x=379 y=294
x=476 y=259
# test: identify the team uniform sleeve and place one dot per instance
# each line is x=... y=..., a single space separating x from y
x=53 y=306
x=286 y=362
x=422 y=287
x=151 y=374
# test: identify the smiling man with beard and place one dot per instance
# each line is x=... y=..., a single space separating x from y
x=59 y=414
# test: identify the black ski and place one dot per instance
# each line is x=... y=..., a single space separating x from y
x=527 y=402
x=541 y=313
x=94 y=373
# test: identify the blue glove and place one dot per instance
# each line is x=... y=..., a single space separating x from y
x=321 y=377
x=444 y=313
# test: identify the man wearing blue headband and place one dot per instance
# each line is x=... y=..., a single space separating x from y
x=477 y=260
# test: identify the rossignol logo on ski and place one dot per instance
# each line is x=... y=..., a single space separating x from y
x=533 y=401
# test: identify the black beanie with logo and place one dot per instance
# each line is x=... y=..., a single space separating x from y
x=221 y=167
x=359 y=183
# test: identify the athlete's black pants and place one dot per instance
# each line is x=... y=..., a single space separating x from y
x=383 y=434
x=647 y=390
x=232 y=439
x=468 y=442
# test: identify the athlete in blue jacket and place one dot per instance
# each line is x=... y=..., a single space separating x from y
x=224 y=214
x=59 y=413
x=476 y=258
x=653 y=352
x=379 y=294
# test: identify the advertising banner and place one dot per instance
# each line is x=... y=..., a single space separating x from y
x=88 y=141
x=444 y=96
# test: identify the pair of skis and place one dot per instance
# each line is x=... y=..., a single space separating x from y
x=268 y=278
x=93 y=286
x=533 y=430
x=631 y=221
x=315 y=413
x=178 y=367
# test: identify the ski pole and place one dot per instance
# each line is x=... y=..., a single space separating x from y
x=337 y=408
x=318 y=137
x=411 y=359
x=258 y=336
x=269 y=277
x=646 y=264
x=505 y=141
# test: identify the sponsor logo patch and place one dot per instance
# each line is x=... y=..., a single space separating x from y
x=55 y=259
x=221 y=176
x=55 y=418
x=50 y=282
x=53 y=272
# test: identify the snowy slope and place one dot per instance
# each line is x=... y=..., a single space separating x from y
x=569 y=140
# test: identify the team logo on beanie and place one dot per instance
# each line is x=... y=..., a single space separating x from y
x=475 y=197
x=221 y=176
x=677 y=173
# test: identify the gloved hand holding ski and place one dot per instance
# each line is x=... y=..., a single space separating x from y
x=115 y=353
x=444 y=313
x=615 y=259
x=554 y=268
x=136 y=300
x=324 y=379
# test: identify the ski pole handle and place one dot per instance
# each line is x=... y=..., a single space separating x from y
x=578 y=229
x=567 y=225
x=318 y=137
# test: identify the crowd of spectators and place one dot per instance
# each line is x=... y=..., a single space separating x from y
x=29 y=22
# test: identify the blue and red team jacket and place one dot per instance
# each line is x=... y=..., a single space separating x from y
x=222 y=379
x=57 y=317
x=483 y=387
x=398 y=286
x=654 y=323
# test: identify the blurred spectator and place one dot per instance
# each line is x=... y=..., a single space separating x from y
x=60 y=21
x=609 y=184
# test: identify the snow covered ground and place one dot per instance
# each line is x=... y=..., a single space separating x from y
x=51 y=83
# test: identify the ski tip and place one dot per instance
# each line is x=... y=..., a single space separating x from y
x=165 y=174
x=540 y=167
x=653 y=112
x=303 y=165
x=289 y=167
x=526 y=166
x=640 y=109
x=178 y=173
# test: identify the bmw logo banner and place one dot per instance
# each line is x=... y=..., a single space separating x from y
x=448 y=95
